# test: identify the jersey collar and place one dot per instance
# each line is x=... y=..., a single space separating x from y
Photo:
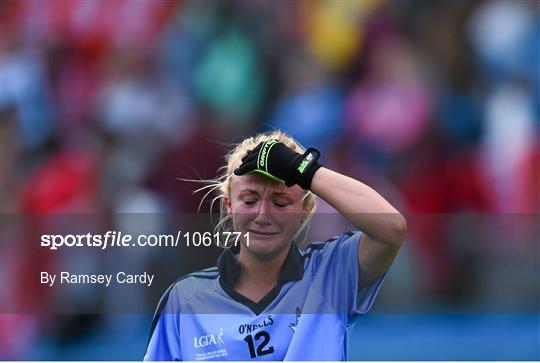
x=229 y=270
x=291 y=270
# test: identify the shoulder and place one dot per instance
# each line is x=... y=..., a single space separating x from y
x=346 y=243
x=200 y=277
x=186 y=286
x=194 y=282
x=330 y=243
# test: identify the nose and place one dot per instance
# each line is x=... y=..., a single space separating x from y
x=263 y=213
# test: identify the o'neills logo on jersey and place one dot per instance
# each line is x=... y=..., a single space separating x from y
x=249 y=328
x=209 y=339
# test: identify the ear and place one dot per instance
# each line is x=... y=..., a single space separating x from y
x=306 y=210
x=228 y=204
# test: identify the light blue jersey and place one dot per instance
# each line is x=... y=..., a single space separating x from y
x=307 y=316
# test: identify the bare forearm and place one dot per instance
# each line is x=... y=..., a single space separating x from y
x=366 y=209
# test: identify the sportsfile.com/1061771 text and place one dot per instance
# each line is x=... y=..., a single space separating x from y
x=121 y=239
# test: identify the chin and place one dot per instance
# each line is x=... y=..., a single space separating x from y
x=263 y=247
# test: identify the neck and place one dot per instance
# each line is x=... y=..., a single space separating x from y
x=261 y=271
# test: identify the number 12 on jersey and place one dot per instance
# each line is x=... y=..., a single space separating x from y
x=261 y=348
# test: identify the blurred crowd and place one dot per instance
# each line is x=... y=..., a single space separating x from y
x=104 y=105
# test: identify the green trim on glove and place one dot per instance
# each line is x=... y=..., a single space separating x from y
x=276 y=161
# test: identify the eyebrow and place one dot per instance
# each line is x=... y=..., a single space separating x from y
x=253 y=191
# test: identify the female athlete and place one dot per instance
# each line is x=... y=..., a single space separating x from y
x=272 y=301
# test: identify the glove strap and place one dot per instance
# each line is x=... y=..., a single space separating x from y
x=306 y=167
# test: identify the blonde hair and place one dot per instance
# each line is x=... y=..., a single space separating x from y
x=222 y=184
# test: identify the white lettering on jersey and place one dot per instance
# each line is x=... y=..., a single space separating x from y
x=209 y=339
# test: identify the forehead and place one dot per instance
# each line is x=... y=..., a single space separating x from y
x=257 y=183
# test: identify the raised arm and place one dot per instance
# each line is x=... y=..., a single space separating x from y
x=383 y=227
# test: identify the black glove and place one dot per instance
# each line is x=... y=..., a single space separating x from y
x=276 y=161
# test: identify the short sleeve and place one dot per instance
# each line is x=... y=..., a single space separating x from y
x=336 y=275
x=164 y=342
